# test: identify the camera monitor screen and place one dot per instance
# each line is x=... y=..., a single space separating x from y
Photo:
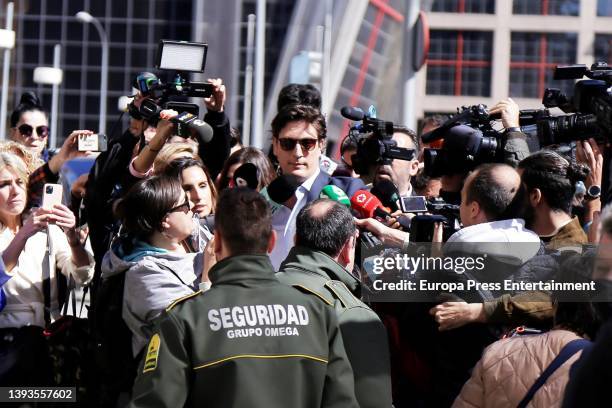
x=182 y=56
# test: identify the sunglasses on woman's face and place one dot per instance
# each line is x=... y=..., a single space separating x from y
x=289 y=144
x=41 y=131
x=184 y=208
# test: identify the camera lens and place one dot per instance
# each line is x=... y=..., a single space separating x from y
x=49 y=190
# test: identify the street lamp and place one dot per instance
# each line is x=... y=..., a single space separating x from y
x=52 y=76
x=7 y=42
x=86 y=18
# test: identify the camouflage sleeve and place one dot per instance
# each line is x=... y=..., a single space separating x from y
x=515 y=148
x=163 y=373
x=521 y=309
x=339 y=388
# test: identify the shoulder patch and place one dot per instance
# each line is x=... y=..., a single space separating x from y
x=152 y=354
x=343 y=294
x=308 y=290
x=181 y=299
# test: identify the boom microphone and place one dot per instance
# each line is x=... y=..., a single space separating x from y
x=354 y=114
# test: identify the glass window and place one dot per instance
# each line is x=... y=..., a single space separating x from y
x=459 y=63
x=604 y=8
x=533 y=58
x=603 y=48
x=464 y=6
x=547 y=7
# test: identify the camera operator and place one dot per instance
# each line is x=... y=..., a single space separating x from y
x=515 y=147
x=551 y=183
x=298 y=136
x=320 y=265
x=400 y=171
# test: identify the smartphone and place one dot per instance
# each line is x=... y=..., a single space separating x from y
x=413 y=204
x=52 y=194
x=92 y=143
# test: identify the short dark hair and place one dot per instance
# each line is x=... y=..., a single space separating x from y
x=244 y=220
x=576 y=310
x=498 y=199
x=327 y=232
x=410 y=133
x=554 y=176
x=299 y=94
x=147 y=203
x=295 y=113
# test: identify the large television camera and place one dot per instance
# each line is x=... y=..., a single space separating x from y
x=374 y=140
x=589 y=111
x=469 y=140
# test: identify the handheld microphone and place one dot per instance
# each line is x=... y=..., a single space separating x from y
x=388 y=194
x=203 y=131
x=335 y=193
x=282 y=190
x=368 y=205
x=246 y=176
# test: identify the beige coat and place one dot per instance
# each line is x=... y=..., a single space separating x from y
x=509 y=367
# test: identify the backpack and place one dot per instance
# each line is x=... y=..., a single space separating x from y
x=112 y=342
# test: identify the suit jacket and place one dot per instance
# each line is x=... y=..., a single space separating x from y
x=347 y=184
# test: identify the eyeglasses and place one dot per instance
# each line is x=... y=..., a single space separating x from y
x=41 y=131
x=289 y=144
x=184 y=208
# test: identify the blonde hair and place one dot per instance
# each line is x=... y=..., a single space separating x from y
x=30 y=160
x=16 y=165
x=173 y=151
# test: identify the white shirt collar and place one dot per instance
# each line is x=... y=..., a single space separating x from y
x=307 y=184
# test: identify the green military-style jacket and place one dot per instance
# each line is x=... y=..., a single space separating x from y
x=364 y=335
x=250 y=341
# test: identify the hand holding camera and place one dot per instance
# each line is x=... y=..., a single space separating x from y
x=216 y=101
x=70 y=149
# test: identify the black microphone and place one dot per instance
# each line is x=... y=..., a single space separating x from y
x=246 y=176
x=282 y=188
x=203 y=131
x=355 y=114
x=387 y=193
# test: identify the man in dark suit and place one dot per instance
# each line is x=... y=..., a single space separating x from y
x=298 y=138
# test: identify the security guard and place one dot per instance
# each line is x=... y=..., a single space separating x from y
x=249 y=341
x=317 y=265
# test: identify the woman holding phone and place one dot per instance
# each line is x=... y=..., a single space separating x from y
x=24 y=240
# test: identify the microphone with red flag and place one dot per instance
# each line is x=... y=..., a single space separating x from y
x=367 y=205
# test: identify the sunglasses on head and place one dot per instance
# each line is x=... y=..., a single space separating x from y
x=41 y=131
x=289 y=144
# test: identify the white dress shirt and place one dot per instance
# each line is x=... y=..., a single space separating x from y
x=283 y=222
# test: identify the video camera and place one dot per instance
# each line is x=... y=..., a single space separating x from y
x=181 y=56
x=590 y=107
x=469 y=140
x=373 y=137
x=422 y=225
